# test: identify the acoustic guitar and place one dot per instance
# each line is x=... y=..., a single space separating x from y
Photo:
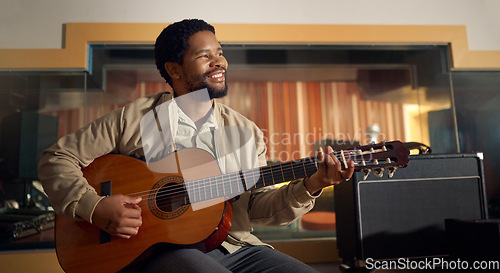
x=186 y=208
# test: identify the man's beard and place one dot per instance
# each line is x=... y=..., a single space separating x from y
x=201 y=82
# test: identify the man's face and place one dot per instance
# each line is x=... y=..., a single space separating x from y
x=204 y=66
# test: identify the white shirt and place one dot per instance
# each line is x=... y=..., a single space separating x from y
x=188 y=136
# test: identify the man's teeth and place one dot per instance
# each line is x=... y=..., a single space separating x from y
x=218 y=75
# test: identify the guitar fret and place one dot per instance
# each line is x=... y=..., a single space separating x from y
x=198 y=187
x=230 y=184
x=287 y=175
x=237 y=180
x=241 y=179
x=254 y=180
x=279 y=176
x=260 y=180
x=311 y=167
x=204 y=190
x=298 y=171
x=207 y=187
x=212 y=186
x=343 y=158
x=276 y=174
x=268 y=176
x=272 y=175
x=224 y=185
x=194 y=192
x=220 y=186
x=217 y=186
x=244 y=180
x=263 y=178
x=282 y=174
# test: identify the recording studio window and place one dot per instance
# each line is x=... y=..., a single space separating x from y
x=301 y=96
x=36 y=108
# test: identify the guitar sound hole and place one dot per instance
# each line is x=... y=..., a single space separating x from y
x=171 y=197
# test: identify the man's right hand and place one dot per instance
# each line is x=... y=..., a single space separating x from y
x=119 y=215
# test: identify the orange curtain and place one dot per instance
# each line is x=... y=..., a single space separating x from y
x=292 y=115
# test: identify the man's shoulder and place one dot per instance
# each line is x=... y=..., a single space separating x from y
x=233 y=116
x=149 y=101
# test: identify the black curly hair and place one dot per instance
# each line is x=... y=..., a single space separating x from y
x=173 y=42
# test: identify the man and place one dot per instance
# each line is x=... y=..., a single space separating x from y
x=190 y=59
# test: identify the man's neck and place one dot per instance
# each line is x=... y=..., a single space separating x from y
x=196 y=105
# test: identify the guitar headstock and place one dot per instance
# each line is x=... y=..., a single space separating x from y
x=379 y=157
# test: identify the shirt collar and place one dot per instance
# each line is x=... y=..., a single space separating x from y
x=210 y=123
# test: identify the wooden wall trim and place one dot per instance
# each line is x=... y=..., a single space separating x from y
x=80 y=35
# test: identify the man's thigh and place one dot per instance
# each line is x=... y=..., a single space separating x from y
x=181 y=260
x=260 y=259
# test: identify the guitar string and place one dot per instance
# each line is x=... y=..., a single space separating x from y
x=179 y=188
x=310 y=159
x=223 y=182
x=202 y=187
x=202 y=190
x=266 y=172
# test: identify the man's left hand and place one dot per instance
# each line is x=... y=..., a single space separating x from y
x=329 y=171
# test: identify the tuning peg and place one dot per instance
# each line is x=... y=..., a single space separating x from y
x=392 y=170
x=379 y=172
x=367 y=172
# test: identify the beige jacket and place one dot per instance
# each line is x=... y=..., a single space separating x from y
x=119 y=132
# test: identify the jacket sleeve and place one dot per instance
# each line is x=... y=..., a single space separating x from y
x=60 y=165
x=279 y=206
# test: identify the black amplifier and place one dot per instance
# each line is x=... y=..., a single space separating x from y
x=404 y=216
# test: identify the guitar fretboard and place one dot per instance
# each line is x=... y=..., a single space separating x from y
x=374 y=156
x=234 y=184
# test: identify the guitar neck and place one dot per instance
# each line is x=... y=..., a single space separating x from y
x=233 y=184
x=384 y=155
x=282 y=172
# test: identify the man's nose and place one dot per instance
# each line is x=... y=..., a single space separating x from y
x=220 y=62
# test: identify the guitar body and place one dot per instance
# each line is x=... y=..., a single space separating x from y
x=82 y=247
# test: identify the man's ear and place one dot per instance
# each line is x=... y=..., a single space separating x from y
x=173 y=70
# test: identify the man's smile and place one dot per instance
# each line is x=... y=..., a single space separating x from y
x=217 y=76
